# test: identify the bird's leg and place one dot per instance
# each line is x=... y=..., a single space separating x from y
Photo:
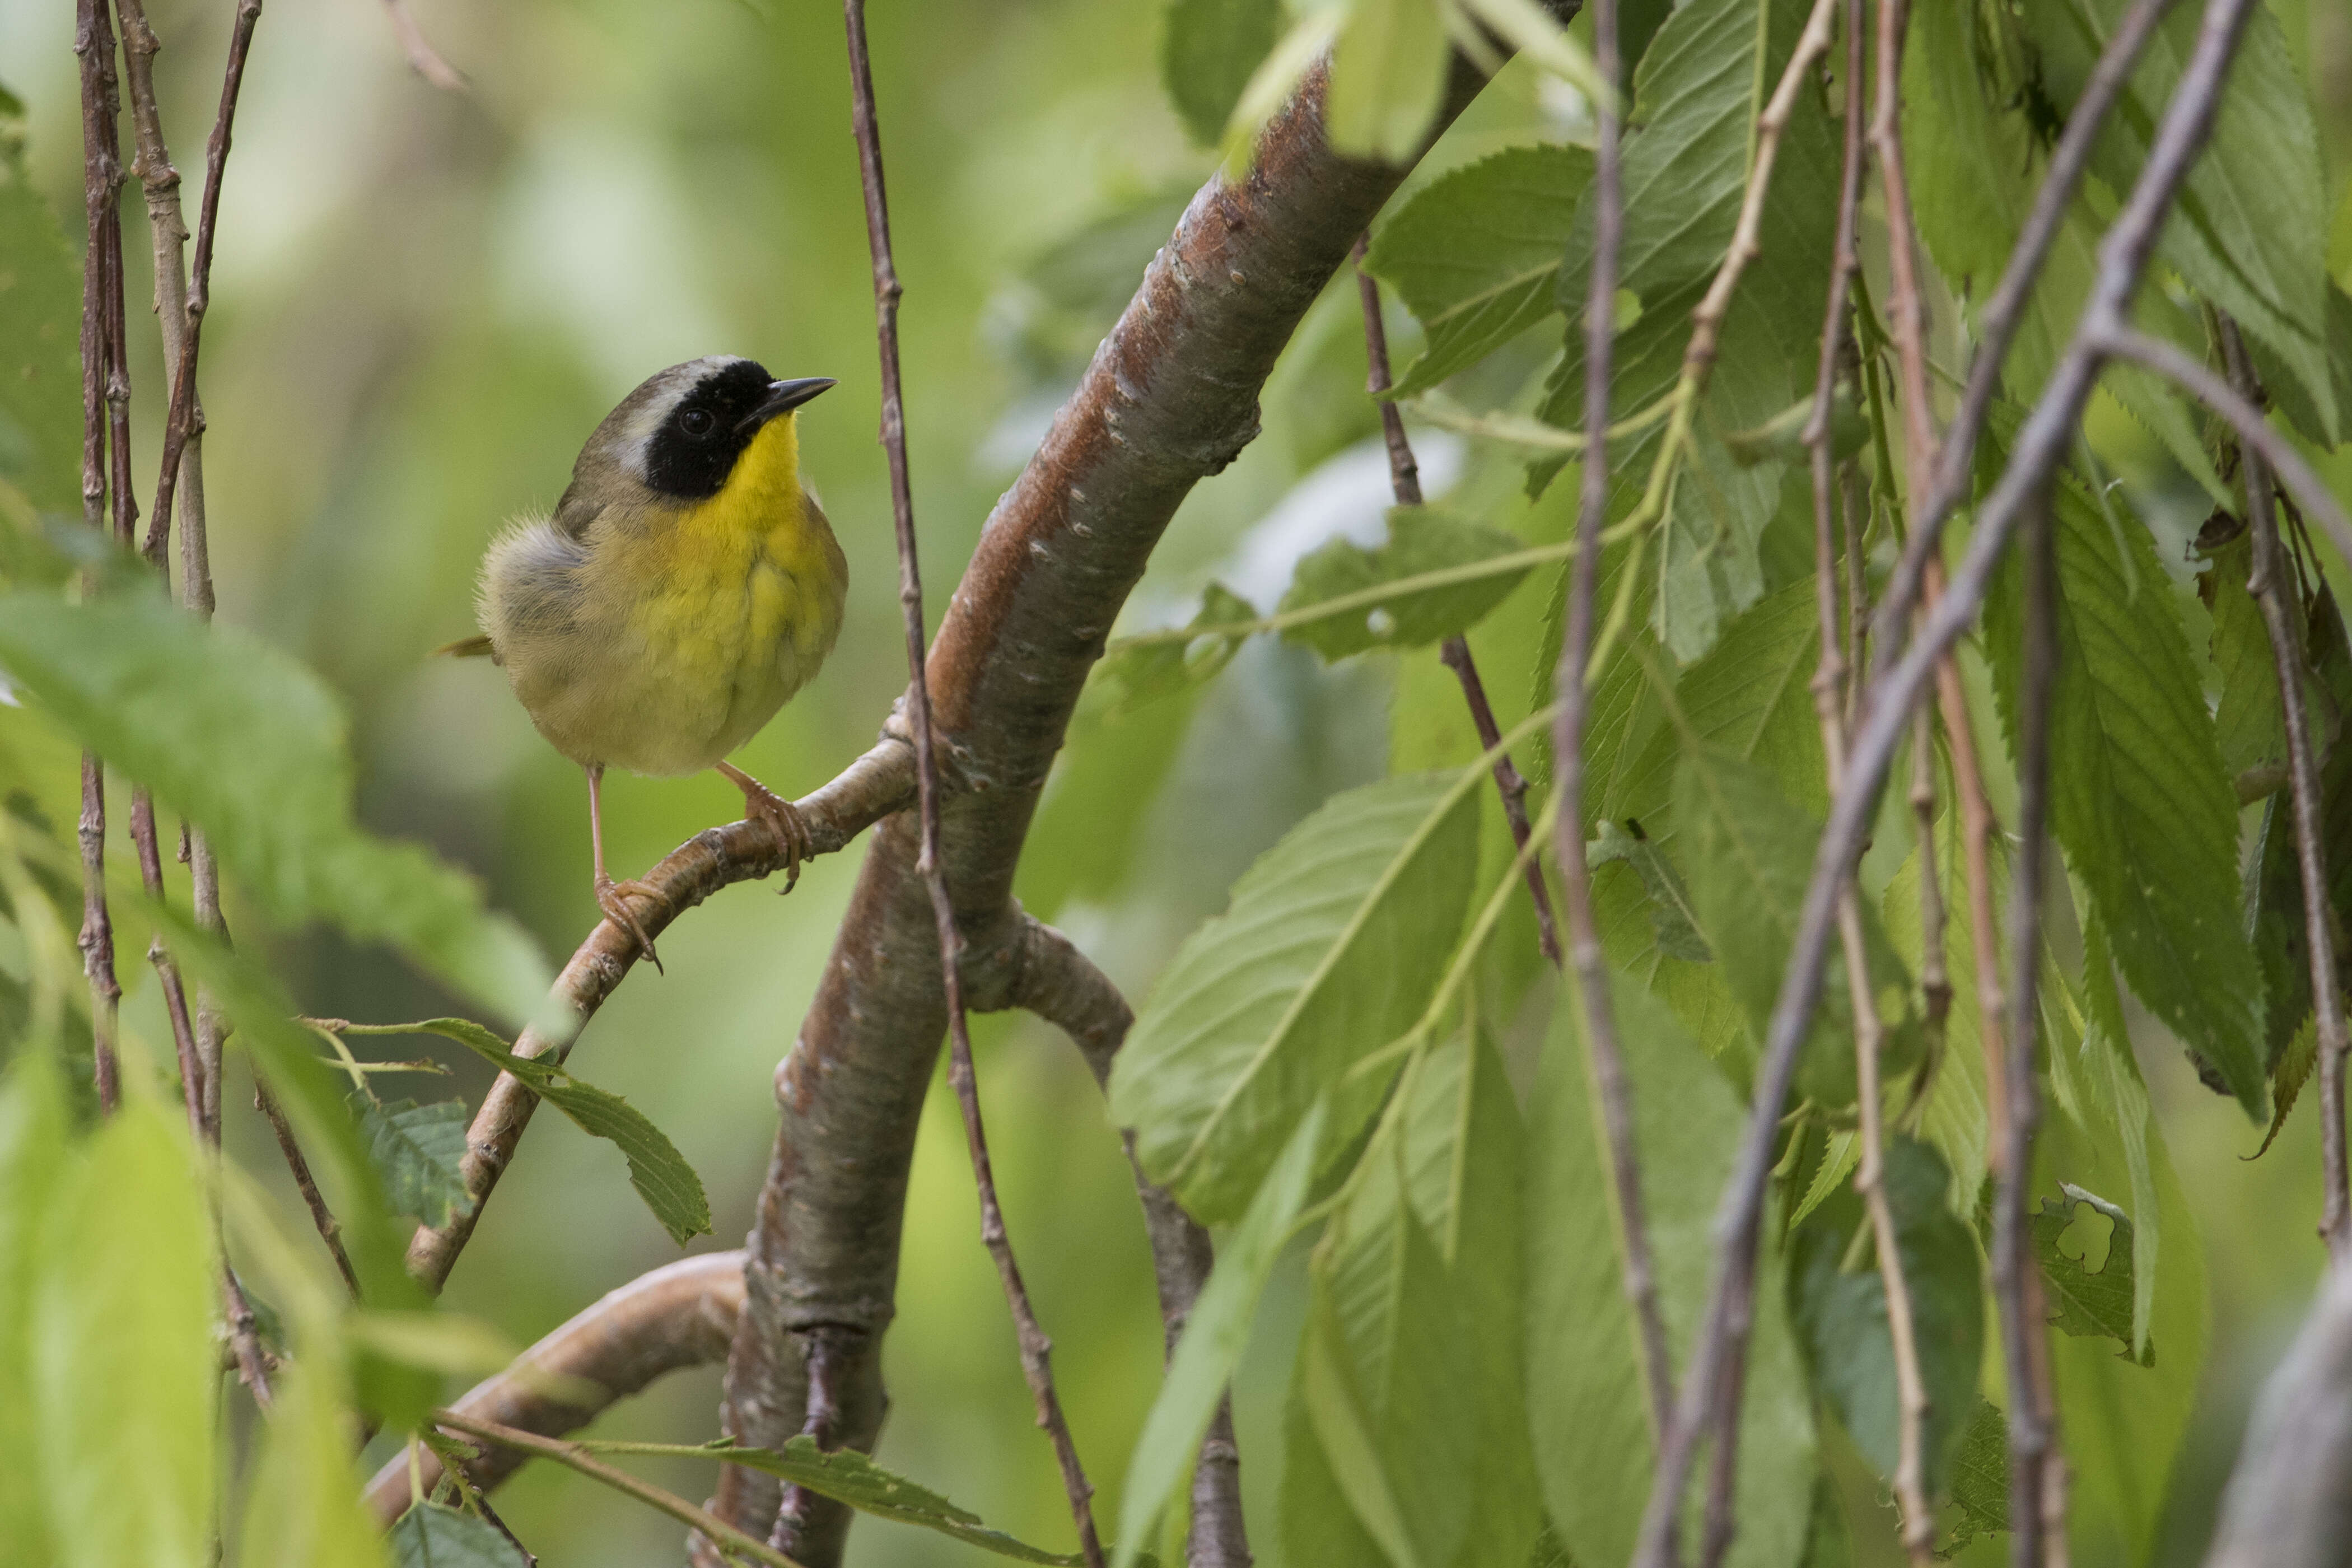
x=608 y=893
x=783 y=818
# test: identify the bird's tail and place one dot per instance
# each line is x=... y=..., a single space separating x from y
x=475 y=647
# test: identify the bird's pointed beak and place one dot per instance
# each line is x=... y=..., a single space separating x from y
x=784 y=396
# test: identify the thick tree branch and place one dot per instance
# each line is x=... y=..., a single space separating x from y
x=2042 y=445
x=878 y=783
x=678 y=1316
x=1170 y=399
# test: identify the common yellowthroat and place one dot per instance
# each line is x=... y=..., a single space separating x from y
x=685 y=587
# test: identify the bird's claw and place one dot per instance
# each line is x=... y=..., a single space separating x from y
x=617 y=910
x=784 y=820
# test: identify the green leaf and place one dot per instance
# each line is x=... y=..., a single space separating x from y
x=1331 y=946
x=2286 y=1084
x=1130 y=675
x=1967 y=158
x=2250 y=231
x=1422 y=539
x=1387 y=72
x=2119 y=1098
x=658 y=1171
x=33 y=1156
x=1207 y=55
x=250 y=745
x=1781 y=438
x=124 y=1362
x=1841 y=1316
x=1673 y=918
x=2138 y=797
x=304 y=1507
x=40 y=341
x=1586 y=1407
x=2085 y=1302
x=431 y=1536
x=1213 y=1339
x=1344 y=1436
x=418 y=1150
x=2247 y=720
x=1955 y=1118
x=1475 y=254
x=1980 y=1479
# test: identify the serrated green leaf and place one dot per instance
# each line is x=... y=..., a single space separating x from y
x=431 y=1536
x=418 y=1150
x=124 y=1364
x=2087 y=1302
x=2137 y=795
x=1475 y=254
x=1422 y=539
x=1587 y=1410
x=1980 y=1479
x=248 y=744
x=1967 y=159
x=1214 y=1338
x=40 y=345
x=2249 y=230
x=2293 y=1072
x=1331 y=946
x=2247 y=720
x=1387 y=72
x=1841 y=1316
x=1207 y=53
x=657 y=1170
x=1671 y=917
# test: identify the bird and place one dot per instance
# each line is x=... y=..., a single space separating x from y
x=685 y=585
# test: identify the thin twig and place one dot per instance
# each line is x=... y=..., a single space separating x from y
x=253 y=1362
x=167 y=974
x=101 y=177
x=729 y=1538
x=330 y=1230
x=1035 y=1348
x=1908 y=311
x=2268 y=581
x=1590 y=964
x=2005 y=312
x=1404 y=482
x=2042 y=445
x=423 y=58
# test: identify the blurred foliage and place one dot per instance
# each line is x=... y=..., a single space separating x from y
x=1285 y=847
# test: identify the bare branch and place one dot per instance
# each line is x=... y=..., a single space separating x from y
x=1572 y=682
x=2042 y=445
x=423 y=58
x=870 y=788
x=681 y=1315
x=1405 y=483
x=2268 y=581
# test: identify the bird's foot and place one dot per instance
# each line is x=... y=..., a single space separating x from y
x=783 y=819
x=609 y=898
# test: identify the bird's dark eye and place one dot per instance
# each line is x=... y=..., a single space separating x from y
x=696 y=422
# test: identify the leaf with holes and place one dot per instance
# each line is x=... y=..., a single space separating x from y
x=1329 y=949
x=1475 y=254
x=2085 y=1303
x=1423 y=542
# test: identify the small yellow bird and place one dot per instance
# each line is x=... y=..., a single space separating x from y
x=685 y=586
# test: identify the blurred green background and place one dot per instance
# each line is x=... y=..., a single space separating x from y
x=424 y=301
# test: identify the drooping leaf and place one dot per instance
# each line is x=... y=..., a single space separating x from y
x=1475 y=254
x=2137 y=795
x=1586 y=1406
x=1214 y=1338
x=431 y=1536
x=124 y=1360
x=2247 y=719
x=1345 y=1443
x=2085 y=1302
x=250 y=745
x=2294 y=1070
x=1841 y=1316
x=2250 y=231
x=40 y=348
x=657 y=1170
x=1422 y=541
x=1671 y=916
x=2118 y=1098
x=1980 y=1479
x=1330 y=948
x=418 y=1150
x=1955 y=1118
x=34 y=1158
x=1207 y=54
x=1387 y=72
x=1968 y=160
